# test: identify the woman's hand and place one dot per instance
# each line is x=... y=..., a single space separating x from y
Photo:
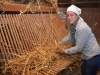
x=62 y=51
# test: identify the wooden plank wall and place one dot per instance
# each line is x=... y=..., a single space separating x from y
x=92 y=17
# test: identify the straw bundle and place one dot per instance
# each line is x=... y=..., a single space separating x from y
x=31 y=63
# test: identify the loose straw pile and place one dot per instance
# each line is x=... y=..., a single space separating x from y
x=30 y=63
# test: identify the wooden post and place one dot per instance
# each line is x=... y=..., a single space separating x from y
x=72 y=1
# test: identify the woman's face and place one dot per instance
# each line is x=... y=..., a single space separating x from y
x=71 y=17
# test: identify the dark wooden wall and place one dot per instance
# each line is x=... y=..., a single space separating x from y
x=92 y=17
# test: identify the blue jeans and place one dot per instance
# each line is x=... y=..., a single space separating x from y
x=91 y=66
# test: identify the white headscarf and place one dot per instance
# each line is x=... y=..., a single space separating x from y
x=74 y=9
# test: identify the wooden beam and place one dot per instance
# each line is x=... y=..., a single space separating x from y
x=81 y=2
x=23 y=7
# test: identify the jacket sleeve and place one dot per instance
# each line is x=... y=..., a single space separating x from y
x=81 y=38
x=66 y=39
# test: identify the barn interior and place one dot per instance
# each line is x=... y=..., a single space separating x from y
x=30 y=31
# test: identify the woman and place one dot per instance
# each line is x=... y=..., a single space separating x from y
x=83 y=40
